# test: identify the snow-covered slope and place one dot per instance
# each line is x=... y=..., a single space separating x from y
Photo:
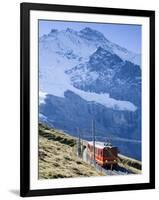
x=80 y=45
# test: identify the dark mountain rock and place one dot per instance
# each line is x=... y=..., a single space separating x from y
x=121 y=79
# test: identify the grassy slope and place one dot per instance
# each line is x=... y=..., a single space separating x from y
x=129 y=163
x=57 y=158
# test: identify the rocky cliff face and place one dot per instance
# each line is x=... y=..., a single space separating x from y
x=108 y=73
x=72 y=111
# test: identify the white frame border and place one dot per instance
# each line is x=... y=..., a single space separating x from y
x=93 y=181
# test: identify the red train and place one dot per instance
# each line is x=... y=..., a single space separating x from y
x=105 y=153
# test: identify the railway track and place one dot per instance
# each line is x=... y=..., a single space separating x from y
x=116 y=171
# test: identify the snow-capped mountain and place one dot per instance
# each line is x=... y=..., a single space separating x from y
x=77 y=45
x=105 y=72
x=84 y=76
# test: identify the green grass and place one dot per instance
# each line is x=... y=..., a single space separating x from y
x=57 y=156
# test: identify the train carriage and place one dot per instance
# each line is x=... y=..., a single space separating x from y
x=105 y=153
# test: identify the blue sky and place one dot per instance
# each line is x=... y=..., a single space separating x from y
x=128 y=36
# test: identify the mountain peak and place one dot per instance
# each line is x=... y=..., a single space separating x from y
x=90 y=33
x=103 y=58
x=87 y=29
x=53 y=32
x=102 y=53
x=102 y=50
x=70 y=30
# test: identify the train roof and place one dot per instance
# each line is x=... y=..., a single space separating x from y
x=101 y=145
